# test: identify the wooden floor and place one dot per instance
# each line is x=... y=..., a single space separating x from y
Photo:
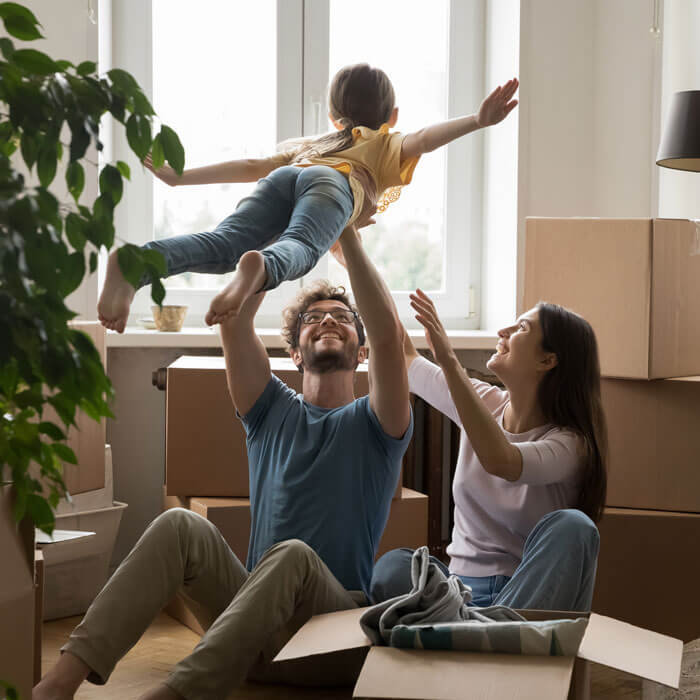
x=167 y=641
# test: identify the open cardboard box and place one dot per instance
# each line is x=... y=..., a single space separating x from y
x=455 y=675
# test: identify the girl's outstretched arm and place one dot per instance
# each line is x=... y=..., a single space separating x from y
x=245 y=170
x=493 y=109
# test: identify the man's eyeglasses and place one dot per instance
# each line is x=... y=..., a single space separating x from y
x=339 y=315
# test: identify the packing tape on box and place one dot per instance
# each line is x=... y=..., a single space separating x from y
x=695 y=242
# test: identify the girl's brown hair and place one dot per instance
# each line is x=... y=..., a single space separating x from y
x=569 y=396
x=359 y=95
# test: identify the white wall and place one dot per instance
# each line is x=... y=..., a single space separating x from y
x=588 y=112
x=679 y=192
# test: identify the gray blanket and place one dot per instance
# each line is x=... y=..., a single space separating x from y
x=435 y=615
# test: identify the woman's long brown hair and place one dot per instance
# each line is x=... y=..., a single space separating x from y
x=359 y=95
x=569 y=396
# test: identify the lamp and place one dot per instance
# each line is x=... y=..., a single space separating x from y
x=680 y=142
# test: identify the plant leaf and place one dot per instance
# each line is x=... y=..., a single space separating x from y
x=138 y=134
x=111 y=182
x=29 y=147
x=86 y=67
x=75 y=179
x=64 y=453
x=124 y=169
x=19 y=21
x=52 y=430
x=34 y=61
x=74 y=231
x=174 y=152
x=141 y=104
x=155 y=260
x=93 y=261
x=40 y=512
x=157 y=154
x=80 y=139
x=47 y=162
x=7 y=47
x=123 y=80
x=157 y=291
x=72 y=273
x=131 y=264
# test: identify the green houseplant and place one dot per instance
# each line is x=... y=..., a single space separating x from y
x=49 y=114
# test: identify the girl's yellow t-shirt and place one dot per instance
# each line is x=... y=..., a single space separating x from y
x=378 y=153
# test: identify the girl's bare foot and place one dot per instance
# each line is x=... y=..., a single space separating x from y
x=247 y=280
x=115 y=300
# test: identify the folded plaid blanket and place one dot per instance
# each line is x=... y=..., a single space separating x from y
x=435 y=615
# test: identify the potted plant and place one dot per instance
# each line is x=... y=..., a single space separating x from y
x=50 y=112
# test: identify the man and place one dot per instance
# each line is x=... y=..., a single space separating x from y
x=323 y=469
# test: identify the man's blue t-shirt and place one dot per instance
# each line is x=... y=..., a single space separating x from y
x=324 y=476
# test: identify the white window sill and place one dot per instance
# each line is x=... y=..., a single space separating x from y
x=208 y=338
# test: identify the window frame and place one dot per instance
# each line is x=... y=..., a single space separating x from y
x=302 y=70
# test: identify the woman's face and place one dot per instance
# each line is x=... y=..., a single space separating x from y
x=519 y=350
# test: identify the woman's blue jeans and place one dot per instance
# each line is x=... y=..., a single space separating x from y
x=557 y=571
x=293 y=216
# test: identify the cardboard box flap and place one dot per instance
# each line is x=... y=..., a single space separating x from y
x=632 y=649
x=456 y=675
x=324 y=634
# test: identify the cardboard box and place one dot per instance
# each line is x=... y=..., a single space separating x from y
x=408 y=522
x=648 y=570
x=637 y=281
x=205 y=451
x=407 y=527
x=17 y=600
x=38 y=611
x=654 y=443
x=87 y=439
x=454 y=675
x=76 y=570
x=91 y=500
x=231 y=516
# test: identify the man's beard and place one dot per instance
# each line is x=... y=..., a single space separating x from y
x=329 y=360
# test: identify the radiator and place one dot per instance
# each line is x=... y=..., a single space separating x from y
x=428 y=467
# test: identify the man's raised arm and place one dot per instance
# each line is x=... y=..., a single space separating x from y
x=388 y=392
x=247 y=364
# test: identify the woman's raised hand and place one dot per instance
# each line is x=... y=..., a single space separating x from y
x=435 y=332
x=498 y=105
x=165 y=173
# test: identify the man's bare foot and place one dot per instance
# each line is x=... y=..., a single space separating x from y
x=115 y=300
x=63 y=680
x=247 y=280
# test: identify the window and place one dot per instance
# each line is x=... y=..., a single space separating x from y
x=236 y=78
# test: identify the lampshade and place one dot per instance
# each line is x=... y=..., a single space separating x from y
x=680 y=142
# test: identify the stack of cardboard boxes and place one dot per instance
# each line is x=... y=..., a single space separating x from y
x=207 y=463
x=637 y=281
x=77 y=565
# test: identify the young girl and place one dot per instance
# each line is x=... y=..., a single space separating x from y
x=307 y=195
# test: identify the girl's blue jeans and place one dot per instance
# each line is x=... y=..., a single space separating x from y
x=557 y=571
x=293 y=216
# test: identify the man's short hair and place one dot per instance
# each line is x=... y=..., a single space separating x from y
x=321 y=290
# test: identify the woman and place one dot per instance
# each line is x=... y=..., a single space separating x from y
x=530 y=479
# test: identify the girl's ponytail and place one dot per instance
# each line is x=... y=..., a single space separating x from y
x=359 y=95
